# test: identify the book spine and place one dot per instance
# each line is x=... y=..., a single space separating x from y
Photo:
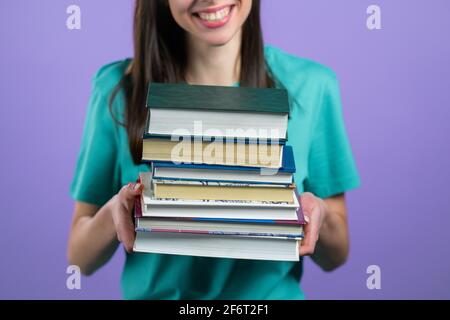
x=205 y=183
x=158 y=177
x=138 y=201
x=224 y=233
x=280 y=141
x=231 y=203
x=169 y=164
x=259 y=221
x=137 y=209
x=227 y=220
x=299 y=211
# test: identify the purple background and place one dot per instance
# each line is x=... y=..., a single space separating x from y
x=396 y=94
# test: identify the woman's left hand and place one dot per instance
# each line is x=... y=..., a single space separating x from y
x=314 y=210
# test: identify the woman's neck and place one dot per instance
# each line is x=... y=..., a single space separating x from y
x=214 y=65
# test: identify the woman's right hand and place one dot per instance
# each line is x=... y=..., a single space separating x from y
x=122 y=205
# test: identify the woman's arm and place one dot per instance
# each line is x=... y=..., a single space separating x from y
x=326 y=234
x=96 y=232
x=92 y=239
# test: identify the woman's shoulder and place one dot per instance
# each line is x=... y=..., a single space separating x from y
x=296 y=73
x=104 y=82
x=109 y=75
x=286 y=64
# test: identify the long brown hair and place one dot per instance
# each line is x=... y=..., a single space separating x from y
x=160 y=56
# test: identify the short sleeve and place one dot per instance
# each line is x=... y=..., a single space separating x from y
x=96 y=177
x=331 y=166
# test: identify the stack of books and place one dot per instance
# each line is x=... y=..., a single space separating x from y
x=221 y=179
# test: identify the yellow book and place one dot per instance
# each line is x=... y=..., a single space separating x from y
x=218 y=153
x=222 y=191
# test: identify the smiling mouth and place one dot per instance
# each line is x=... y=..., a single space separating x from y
x=214 y=17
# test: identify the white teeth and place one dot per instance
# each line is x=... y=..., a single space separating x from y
x=214 y=16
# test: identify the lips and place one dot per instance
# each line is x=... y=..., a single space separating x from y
x=214 y=17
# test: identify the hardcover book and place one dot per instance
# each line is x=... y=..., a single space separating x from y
x=221 y=181
x=229 y=209
x=242 y=227
x=218 y=246
x=215 y=153
x=203 y=172
x=209 y=190
x=216 y=111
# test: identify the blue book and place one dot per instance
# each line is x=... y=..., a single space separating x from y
x=220 y=173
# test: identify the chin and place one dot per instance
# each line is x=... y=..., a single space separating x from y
x=217 y=40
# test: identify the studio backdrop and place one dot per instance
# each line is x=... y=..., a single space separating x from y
x=392 y=60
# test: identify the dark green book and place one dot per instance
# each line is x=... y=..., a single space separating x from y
x=237 y=99
x=217 y=111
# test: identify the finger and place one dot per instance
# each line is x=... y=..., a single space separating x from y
x=131 y=191
x=308 y=244
x=125 y=230
x=307 y=195
x=307 y=201
x=307 y=250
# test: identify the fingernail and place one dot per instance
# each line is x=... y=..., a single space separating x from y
x=137 y=186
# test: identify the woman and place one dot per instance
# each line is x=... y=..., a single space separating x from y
x=216 y=42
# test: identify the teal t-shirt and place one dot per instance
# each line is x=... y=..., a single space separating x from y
x=325 y=167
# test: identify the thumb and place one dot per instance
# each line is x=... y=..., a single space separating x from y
x=131 y=191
